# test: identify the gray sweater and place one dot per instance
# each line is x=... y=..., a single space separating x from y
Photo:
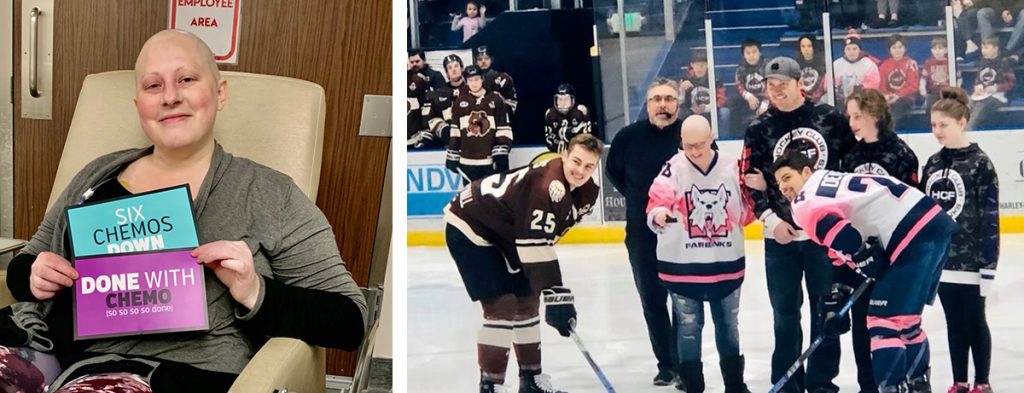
x=290 y=239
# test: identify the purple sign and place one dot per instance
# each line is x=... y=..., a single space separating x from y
x=141 y=293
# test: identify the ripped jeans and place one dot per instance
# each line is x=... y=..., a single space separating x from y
x=690 y=314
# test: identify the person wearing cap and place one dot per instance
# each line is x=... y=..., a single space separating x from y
x=636 y=156
x=496 y=81
x=480 y=137
x=822 y=133
x=854 y=71
x=437 y=108
x=418 y=63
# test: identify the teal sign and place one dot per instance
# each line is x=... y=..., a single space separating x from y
x=150 y=221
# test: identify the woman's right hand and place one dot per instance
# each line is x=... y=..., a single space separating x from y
x=51 y=273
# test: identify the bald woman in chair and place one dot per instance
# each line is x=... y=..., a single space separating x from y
x=272 y=266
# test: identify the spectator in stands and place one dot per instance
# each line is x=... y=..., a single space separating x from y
x=995 y=79
x=1013 y=47
x=888 y=8
x=750 y=83
x=696 y=92
x=935 y=73
x=899 y=79
x=418 y=63
x=981 y=16
x=812 y=67
x=853 y=71
x=810 y=14
x=475 y=19
x=852 y=13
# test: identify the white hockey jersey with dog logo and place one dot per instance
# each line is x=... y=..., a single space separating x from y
x=701 y=254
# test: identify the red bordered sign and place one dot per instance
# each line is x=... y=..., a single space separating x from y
x=216 y=22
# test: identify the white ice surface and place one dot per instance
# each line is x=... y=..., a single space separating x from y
x=442 y=327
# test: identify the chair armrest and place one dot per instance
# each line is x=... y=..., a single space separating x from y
x=284 y=363
x=6 y=298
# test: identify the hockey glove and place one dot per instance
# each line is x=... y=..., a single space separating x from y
x=500 y=157
x=452 y=161
x=987 y=282
x=829 y=305
x=871 y=260
x=559 y=311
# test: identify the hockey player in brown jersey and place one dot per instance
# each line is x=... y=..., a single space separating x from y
x=496 y=81
x=565 y=120
x=480 y=133
x=417 y=93
x=501 y=232
x=437 y=107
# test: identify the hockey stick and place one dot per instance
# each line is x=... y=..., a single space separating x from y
x=821 y=337
x=586 y=354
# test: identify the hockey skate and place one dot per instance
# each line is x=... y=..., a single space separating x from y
x=919 y=385
x=983 y=388
x=901 y=388
x=536 y=383
x=491 y=387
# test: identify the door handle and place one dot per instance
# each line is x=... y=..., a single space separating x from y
x=33 y=52
x=36 y=54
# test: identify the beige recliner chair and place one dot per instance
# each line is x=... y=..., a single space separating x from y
x=275 y=121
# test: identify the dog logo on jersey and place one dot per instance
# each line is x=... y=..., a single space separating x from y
x=556 y=190
x=491 y=104
x=805 y=140
x=947 y=188
x=871 y=168
x=479 y=124
x=464 y=104
x=707 y=217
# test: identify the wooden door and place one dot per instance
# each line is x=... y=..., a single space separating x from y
x=343 y=45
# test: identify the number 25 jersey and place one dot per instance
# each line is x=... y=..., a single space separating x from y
x=523 y=212
x=839 y=210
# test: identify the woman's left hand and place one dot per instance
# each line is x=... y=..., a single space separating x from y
x=231 y=262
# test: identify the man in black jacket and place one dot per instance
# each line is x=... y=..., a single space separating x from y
x=418 y=63
x=822 y=133
x=635 y=158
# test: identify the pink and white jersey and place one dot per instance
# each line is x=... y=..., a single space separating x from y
x=839 y=210
x=701 y=254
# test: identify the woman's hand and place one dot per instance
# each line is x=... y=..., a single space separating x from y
x=232 y=263
x=51 y=273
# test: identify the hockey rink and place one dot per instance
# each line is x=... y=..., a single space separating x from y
x=443 y=323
